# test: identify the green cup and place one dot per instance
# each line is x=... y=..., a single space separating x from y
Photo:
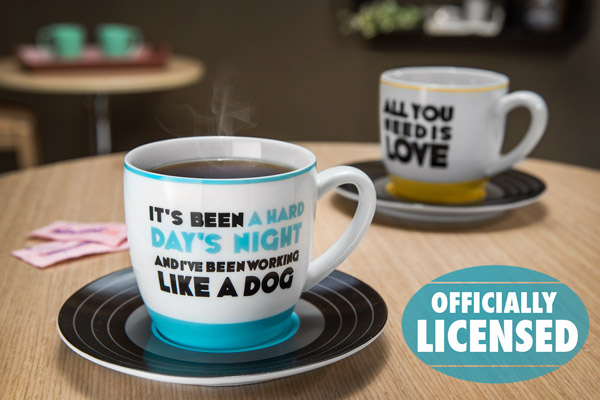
x=118 y=40
x=64 y=40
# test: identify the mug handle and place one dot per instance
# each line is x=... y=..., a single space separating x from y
x=137 y=38
x=327 y=180
x=44 y=36
x=539 y=119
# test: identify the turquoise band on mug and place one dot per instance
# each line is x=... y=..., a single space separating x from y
x=251 y=335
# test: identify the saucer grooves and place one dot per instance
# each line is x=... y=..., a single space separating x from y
x=107 y=323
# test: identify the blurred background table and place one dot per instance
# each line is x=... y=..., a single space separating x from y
x=180 y=71
x=558 y=236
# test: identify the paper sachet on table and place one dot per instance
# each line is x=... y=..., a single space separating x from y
x=73 y=240
x=111 y=234
x=46 y=254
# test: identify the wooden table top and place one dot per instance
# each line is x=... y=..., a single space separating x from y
x=559 y=236
x=180 y=71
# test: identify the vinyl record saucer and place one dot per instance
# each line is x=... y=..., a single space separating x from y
x=506 y=191
x=107 y=323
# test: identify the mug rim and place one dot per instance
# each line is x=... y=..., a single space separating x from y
x=65 y=27
x=107 y=27
x=397 y=77
x=75 y=25
x=130 y=161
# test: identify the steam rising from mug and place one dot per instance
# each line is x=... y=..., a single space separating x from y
x=227 y=114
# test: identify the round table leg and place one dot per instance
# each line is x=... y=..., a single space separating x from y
x=102 y=123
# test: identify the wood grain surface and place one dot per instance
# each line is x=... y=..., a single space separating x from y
x=559 y=236
x=180 y=71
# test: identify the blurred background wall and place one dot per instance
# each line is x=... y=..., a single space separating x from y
x=306 y=80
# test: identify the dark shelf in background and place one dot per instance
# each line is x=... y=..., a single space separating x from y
x=514 y=35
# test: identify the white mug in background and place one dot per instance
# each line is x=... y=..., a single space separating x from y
x=442 y=130
x=221 y=263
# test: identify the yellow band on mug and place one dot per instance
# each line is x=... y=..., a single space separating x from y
x=441 y=193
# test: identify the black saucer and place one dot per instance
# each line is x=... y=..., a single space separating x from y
x=506 y=191
x=107 y=323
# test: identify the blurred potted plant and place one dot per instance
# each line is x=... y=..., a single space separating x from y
x=380 y=18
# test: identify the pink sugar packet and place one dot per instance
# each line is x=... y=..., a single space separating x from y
x=111 y=234
x=46 y=254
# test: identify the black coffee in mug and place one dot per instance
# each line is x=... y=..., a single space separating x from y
x=222 y=169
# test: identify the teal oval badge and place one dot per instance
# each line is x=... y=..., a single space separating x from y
x=495 y=324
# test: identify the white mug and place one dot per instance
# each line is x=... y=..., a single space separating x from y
x=221 y=263
x=442 y=130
